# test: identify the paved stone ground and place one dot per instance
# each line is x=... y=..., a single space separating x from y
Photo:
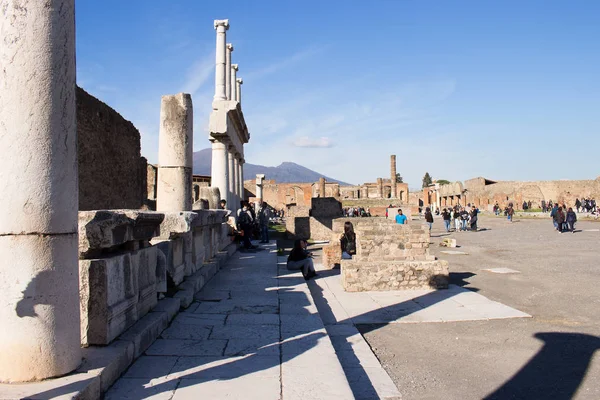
x=550 y=356
x=253 y=333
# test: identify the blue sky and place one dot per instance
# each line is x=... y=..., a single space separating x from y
x=507 y=90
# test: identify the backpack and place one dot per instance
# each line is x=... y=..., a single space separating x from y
x=243 y=218
x=350 y=246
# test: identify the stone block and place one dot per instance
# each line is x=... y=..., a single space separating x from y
x=146 y=260
x=109 y=290
x=332 y=255
x=145 y=331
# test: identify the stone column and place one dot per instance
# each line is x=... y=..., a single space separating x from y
x=220 y=75
x=380 y=188
x=238 y=93
x=241 y=177
x=231 y=200
x=234 y=69
x=219 y=171
x=175 y=153
x=321 y=187
x=236 y=172
x=393 y=175
x=39 y=270
x=228 y=85
x=259 y=186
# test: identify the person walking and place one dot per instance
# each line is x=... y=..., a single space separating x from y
x=554 y=217
x=560 y=219
x=510 y=212
x=446 y=217
x=473 y=219
x=429 y=217
x=457 y=220
x=577 y=204
x=571 y=219
x=264 y=215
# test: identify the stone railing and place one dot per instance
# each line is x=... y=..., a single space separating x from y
x=388 y=256
x=128 y=258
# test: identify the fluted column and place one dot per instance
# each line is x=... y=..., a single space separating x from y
x=39 y=271
x=234 y=69
x=241 y=178
x=238 y=92
x=228 y=83
x=220 y=75
x=175 y=154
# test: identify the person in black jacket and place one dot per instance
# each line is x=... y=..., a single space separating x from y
x=348 y=241
x=429 y=217
x=446 y=216
x=473 y=219
x=571 y=219
x=301 y=259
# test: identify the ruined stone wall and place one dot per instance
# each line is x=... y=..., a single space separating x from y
x=279 y=195
x=112 y=173
x=516 y=192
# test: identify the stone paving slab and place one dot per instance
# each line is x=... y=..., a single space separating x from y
x=253 y=332
x=502 y=270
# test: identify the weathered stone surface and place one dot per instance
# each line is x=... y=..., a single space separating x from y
x=105 y=229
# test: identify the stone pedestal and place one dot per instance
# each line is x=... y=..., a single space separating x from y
x=38 y=191
x=175 y=154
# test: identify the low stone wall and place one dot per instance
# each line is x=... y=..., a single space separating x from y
x=360 y=275
x=128 y=258
x=388 y=256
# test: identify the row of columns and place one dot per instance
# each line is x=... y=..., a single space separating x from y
x=227 y=168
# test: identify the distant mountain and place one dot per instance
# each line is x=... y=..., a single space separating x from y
x=286 y=172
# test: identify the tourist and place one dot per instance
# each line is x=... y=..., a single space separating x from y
x=571 y=219
x=301 y=259
x=429 y=217
x=510 y=211
x=244 y=224
x=446 y=217
x=473 y=218
x=464 y=218
x=553 y=216
x=497 y=209
x=544 y=209
x=524 y=205
x=264 y=215
x=560 y=219
x=529 y=205
x=223 y=204
x=348 y=241
x=457 y=220
x=401 y=218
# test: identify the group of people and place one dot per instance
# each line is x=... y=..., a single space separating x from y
x=356 y=212
x=251 y=223
x=586 y=205
x=564 y=221
x=459 y=218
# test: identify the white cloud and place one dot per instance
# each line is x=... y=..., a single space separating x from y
x=306 y=141
x=284 y=63
x=199 y=74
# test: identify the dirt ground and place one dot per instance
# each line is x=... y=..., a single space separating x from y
x=552 y=355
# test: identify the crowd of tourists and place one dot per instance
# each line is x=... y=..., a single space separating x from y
x=586 y=205
x=563 y=219
x=356 y=212
x=459 y=219
x=250 y=223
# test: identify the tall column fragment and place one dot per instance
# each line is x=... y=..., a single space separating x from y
x=321 y=187
x=380 y=188
x=241 y=178
x=39 y=271
x=220 y=75
x=393 y=175
x=175 y=154
x=260 y=178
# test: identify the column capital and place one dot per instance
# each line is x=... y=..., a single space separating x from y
x=240 y=81
x=222 y=22
x=229 y=47
x=234 y=67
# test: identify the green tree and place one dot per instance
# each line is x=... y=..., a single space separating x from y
x=399 y=178
x=427 y=179
x=442 y=182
